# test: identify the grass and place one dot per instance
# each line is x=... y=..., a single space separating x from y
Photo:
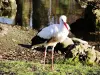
x=31 y=68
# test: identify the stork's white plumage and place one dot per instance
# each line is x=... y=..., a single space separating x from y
x=52 y=34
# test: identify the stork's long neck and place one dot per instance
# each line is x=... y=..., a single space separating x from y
x=62 y=26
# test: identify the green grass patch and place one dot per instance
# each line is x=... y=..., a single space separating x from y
x=31 y=68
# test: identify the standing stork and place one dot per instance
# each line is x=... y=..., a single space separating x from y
x=51 y=35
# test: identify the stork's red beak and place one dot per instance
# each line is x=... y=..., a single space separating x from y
x=66 y=25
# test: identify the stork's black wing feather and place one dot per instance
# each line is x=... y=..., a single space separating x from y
x=37 y=40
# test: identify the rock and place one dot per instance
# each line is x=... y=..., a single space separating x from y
x=78 y=50
x=67 y=42
x=97 y=57
x=82 y=51
x=77 y=40
x=63 y=46
x=91 y=56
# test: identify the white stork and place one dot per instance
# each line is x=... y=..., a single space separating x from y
x=51 y=35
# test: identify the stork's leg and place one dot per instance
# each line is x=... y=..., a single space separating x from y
x=52 y=58
x=45 y=52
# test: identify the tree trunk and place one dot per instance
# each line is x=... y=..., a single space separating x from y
x=40 y=14
x=23 y=12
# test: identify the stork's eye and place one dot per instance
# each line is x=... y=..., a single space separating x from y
x=62 y=20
